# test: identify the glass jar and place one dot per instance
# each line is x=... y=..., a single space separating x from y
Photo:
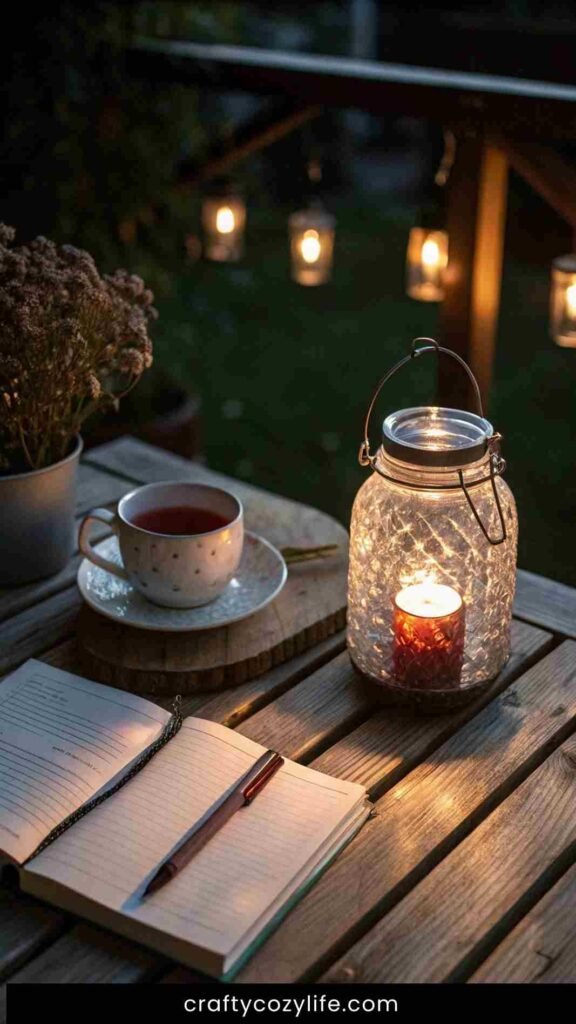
x=311 y=245
x=432 y=557
x=563 y=301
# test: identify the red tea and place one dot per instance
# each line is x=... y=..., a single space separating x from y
x=180 y=520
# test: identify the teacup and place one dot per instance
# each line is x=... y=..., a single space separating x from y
x=172 y=568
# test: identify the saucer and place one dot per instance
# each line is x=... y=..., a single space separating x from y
x=258 y=580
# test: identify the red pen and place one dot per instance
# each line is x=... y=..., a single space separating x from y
x=248 y=787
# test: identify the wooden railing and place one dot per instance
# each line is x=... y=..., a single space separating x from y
x=499 y=122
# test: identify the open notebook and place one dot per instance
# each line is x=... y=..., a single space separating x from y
x=65 y=740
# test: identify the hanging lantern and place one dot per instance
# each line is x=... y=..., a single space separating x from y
x=432 y=554
x=426 y=262
x=311 y=245
x=223 y=221
x=563 y=301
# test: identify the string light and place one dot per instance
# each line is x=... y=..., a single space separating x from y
x=427 y=252
x=311 y=245
x=223 y=222
x=563 y=301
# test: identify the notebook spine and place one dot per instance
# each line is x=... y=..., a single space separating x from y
x=172 y=727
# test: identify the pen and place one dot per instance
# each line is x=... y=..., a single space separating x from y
x=243 y=793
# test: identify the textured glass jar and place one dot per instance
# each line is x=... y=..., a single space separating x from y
x=413 y=523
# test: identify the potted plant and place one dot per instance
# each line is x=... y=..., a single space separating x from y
x=71 y=342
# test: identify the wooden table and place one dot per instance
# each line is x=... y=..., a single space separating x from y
x=468 y=870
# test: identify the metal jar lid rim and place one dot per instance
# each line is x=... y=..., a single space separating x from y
x=463 y=436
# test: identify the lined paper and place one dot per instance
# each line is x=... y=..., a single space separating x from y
x=110 y=855
x=62 y=739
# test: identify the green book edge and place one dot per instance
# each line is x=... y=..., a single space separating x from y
x=289 y=905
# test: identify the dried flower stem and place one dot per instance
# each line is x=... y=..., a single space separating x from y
x=72 y=342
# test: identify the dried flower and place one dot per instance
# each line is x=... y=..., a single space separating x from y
x=71 y=342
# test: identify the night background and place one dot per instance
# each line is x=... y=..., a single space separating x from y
x=275 y=378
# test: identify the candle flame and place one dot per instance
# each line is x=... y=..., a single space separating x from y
x=428 y=600
x=225 y=220
x=571 y=301
x=431 y=254
x=310 y=246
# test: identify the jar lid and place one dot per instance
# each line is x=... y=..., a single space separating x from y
x=431 y=436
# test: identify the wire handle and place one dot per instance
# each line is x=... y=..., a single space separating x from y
x=497 y=463
x=364 y=456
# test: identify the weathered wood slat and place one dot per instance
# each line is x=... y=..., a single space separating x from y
x=143 y=463
x=98 y=487
x=64 y=656
x=423 y=817
x=26 y=925
x=38 y=628
x=235 y=705
x=542 y=947
x=390 y=743
x=546 y=603
x=87 y=954
x=448 y=923
x=313 y=713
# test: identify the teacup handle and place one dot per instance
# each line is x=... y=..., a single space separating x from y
x=111 y=519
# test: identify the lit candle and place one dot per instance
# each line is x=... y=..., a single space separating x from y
x=563 y=301
x=311 y=245
x=223 y=220
x=427 y=259
x=571 y=302
x=428 y=645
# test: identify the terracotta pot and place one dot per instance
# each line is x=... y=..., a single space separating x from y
x=37 y=531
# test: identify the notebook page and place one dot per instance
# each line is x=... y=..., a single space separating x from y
x=62 y=738
x=111 y=854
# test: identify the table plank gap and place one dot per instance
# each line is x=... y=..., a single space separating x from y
x=542 y=946
x=26 y=928
x=38 y=628
x=448 y=923
x=546 y=603
x=90 y=954
x=305 y=719
x=423 y=817
x=391 y=742
x=232 y=707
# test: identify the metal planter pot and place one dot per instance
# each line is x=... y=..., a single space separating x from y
x=37 y=530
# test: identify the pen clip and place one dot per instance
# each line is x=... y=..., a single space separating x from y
x=262 y=776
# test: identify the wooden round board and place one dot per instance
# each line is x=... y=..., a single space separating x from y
x=310 y=608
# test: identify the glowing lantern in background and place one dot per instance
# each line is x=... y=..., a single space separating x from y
x=563 y=301
x=426 y=261
x=223 y=222
x=311 y=245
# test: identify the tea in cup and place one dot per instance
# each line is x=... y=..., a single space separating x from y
x=181 y=543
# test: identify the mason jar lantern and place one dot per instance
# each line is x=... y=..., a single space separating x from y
x=311 y=245
x=426 y=262
x=432 y=553
x=563 y=301
x=223 y=222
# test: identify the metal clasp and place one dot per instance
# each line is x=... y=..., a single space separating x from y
x=496 y=462
x=497 y=466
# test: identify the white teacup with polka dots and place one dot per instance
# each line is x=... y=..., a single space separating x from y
x=173 y=570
